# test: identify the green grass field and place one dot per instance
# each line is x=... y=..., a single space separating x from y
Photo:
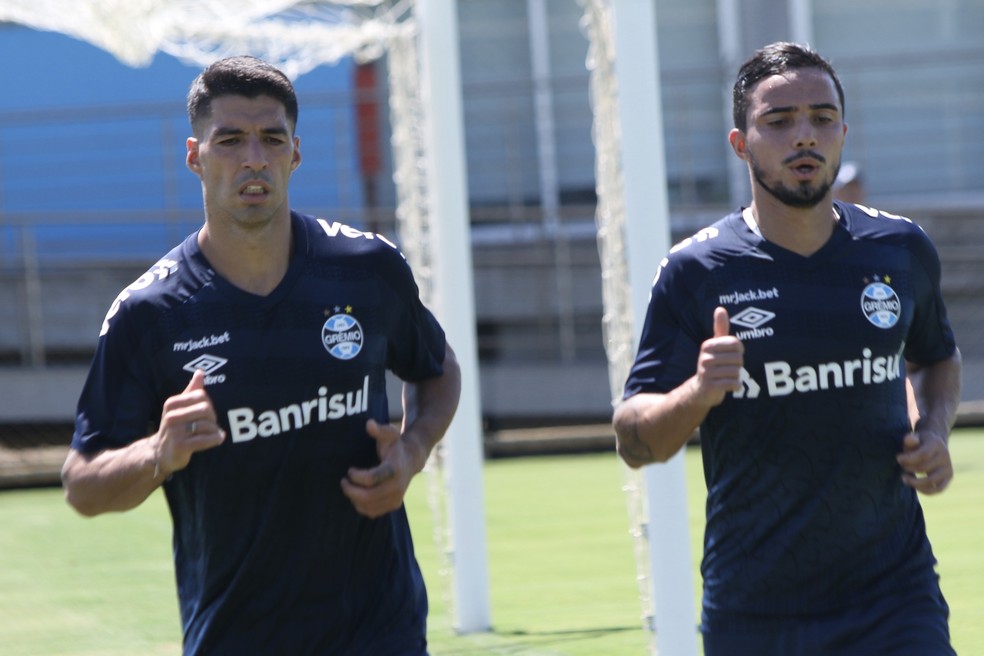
x=561 y=565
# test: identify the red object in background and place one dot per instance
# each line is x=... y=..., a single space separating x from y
x=367 y=119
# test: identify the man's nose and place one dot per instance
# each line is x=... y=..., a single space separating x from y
x=806 y=135
x=255 y=155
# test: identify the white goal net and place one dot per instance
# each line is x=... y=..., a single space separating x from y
x=294 y=35
x=617 y=320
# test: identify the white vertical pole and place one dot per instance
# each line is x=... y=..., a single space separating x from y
x=647 y=239
x=440 y=80
x=801 y=21
x=730 y=32
x=546 y=148
x=543 y=111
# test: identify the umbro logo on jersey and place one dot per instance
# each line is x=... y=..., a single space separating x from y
x=752 y=317
x=208 y=364
x=754 y=320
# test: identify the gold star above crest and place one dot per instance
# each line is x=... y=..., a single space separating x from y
x=348 y=309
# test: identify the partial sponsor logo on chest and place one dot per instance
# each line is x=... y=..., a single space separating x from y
x=204 y=342
x=748 y=296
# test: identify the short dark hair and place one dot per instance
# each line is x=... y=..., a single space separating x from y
x=239 y=76
x=775 y=59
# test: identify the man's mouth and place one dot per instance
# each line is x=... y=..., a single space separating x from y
x=254 y=191
x=805 y=162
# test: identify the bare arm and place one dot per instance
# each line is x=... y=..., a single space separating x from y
x=653 y=427
x=428 y=408
x=121 y=479
x=111 y=480
x=925 y=454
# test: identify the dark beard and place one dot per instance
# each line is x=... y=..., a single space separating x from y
x=803 y=196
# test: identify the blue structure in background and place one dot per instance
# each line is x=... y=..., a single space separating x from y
x=92 y=151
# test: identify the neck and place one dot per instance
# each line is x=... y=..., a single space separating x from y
x=252 y=259
x=801 y=230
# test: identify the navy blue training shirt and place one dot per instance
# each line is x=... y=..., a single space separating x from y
x=806 y=509
x=270 y=556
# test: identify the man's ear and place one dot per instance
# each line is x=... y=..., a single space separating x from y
x=191 y=157
x=738 y=143
x=296 y=161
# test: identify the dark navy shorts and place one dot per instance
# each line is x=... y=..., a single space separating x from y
x=906 y=625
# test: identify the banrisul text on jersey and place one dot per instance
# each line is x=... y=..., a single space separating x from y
x=245 y=424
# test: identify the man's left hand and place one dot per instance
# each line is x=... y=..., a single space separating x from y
x=925 y=461
x=379 y=490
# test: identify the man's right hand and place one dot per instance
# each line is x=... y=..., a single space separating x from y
x=188 y=425
x=719 y=363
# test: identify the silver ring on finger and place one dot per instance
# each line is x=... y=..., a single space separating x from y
x=192 y=427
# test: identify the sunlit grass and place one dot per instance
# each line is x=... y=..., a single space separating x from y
x=561 y=568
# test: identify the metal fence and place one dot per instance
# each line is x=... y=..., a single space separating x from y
x=90 y=197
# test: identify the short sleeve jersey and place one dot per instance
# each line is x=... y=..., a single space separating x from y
x=806 y=511
x=270 y=556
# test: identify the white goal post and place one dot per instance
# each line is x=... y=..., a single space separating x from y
x=633 y=233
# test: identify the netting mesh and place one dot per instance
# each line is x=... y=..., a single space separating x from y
x=294 y=35
x=413 y=223
x=617 y=320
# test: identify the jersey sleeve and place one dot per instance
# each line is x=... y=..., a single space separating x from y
x=117 y=406
x=416 y=339
x=930 y=337
x=672 y=333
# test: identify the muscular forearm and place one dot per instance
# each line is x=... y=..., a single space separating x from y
x=429 y=407
x=111 y=480
x=654 y=427
x=936 y=389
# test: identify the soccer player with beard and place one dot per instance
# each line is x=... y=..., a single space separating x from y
x=786 y=332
